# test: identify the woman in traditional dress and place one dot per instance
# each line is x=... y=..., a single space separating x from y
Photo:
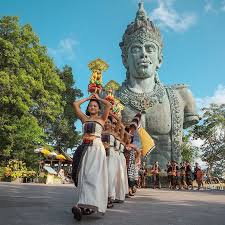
x=131 y=148
x=108 y=140
x=89 y=172
x=124 y=136
x=120 y=190
x=137 y=167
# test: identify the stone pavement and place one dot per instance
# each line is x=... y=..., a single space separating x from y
x=34 y=204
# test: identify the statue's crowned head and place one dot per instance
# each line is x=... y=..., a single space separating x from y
x=141 y=46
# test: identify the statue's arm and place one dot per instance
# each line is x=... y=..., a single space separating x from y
x=190 y=115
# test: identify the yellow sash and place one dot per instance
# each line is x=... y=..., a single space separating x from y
x=146 y=141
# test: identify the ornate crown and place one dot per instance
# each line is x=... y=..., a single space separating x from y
x=142 y=29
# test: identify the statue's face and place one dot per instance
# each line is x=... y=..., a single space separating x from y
x=143 y=59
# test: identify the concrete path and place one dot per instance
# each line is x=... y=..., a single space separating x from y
x=34 y=204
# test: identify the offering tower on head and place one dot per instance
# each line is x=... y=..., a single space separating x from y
x=109 y=89
x=117 y=107
x=97 y=67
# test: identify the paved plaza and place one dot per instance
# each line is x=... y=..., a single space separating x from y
x=34 y=204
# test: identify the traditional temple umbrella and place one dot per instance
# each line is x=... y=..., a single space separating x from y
x=60 y=157
x=45 y=152
x=52 y=154
x=48 y=154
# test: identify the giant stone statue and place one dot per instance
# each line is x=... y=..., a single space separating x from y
x=166 y=110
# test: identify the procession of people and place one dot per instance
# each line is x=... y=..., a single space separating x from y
x=105 y=165
x=182 y=177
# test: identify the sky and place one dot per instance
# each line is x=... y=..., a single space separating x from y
x=77 y=32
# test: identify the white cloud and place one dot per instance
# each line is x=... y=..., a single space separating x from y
x=202 y=164
x=208 y=7
x=168 y=17
x=223 y=6
x=214 y=6
x=64 y=50
x=198 y=143
x=217 y=98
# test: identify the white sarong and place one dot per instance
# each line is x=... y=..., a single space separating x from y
x=93 y=178
x=120 y=178
x=112 y=164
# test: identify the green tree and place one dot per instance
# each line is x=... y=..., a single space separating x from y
x=30 y=90
x=64 y=134
x=212 y=132
x=188 y=151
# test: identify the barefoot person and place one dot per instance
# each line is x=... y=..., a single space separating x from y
x=89 y=161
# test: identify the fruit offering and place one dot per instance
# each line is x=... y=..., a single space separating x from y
x=117 y=107
x=97 y=67
x=110 y=88
x=110 y=97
